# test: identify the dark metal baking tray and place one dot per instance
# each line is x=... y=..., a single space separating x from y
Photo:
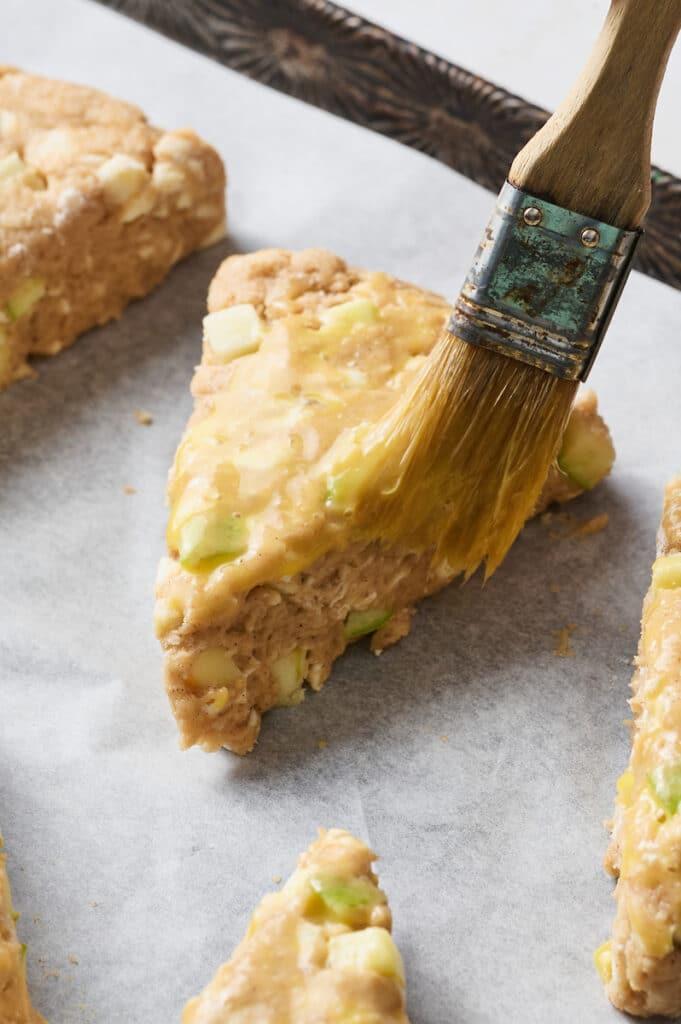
x=328 y=56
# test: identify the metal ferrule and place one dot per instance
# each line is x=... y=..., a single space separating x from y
x=543 y=285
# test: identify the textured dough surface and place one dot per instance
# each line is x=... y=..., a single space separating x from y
x=96 y=205
x=15 y=1003
x=319 y=950
x=642 y=963
x=243 y=635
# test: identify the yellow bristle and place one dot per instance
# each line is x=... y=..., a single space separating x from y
x=459 y=461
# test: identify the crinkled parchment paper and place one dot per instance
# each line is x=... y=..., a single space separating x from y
x=477 y=762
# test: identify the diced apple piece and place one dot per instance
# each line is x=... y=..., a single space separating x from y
x=14 y=166
x=288 y=672
x=208 y=540
x=233 y=332
x=218 y=702
x=347 y=315
x=585 y=456
x=11 y=165
x=24 y=298
x=371 y=949
x=665 y=783
x=214 y=666
x=667 y=572
x=341 y=488
x=603 y=962
x=175 y=145
x=138 y=206
x=167 y=177
x=360 y=623
x=122 y=176
x=343 y=898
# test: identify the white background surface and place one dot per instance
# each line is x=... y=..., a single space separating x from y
x=143 y=863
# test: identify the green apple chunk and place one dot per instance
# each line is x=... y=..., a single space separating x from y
x=665 y=783
x=342 y=488
x=667 y=572
x=344 y=897
x=585 y=456
x=208 y=540
x=288 y=672
x=24 y=298
x=360 y=623
x=352 y=470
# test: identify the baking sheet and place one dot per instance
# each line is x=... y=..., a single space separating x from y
x=476 y=762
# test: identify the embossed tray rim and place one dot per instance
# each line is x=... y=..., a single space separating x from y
x=339 y=61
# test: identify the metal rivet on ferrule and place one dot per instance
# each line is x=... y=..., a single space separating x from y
x=532 y=215
x=590 y=237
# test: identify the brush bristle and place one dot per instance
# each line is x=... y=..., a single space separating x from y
x=460 y=460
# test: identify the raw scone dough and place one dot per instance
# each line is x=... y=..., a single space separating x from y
x=265 y=585
x=641 y=965
x=319 y=950
x=96 y=205
x=15 y=1003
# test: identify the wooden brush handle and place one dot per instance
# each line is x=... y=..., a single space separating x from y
x=593 y=155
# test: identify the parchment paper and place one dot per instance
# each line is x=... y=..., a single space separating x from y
x=476 y=762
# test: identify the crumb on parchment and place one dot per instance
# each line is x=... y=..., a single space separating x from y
x=572 y=528
x=563 y=648
x=129 y=489
x=593 y=525
x=144 y=418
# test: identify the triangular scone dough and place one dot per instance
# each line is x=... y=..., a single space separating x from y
x=15 y=1004
x=266 y=583
x=319 y=950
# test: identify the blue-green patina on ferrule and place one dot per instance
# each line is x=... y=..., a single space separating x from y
x=536 y=291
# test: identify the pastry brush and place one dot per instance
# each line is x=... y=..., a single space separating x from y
x=459 y=460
